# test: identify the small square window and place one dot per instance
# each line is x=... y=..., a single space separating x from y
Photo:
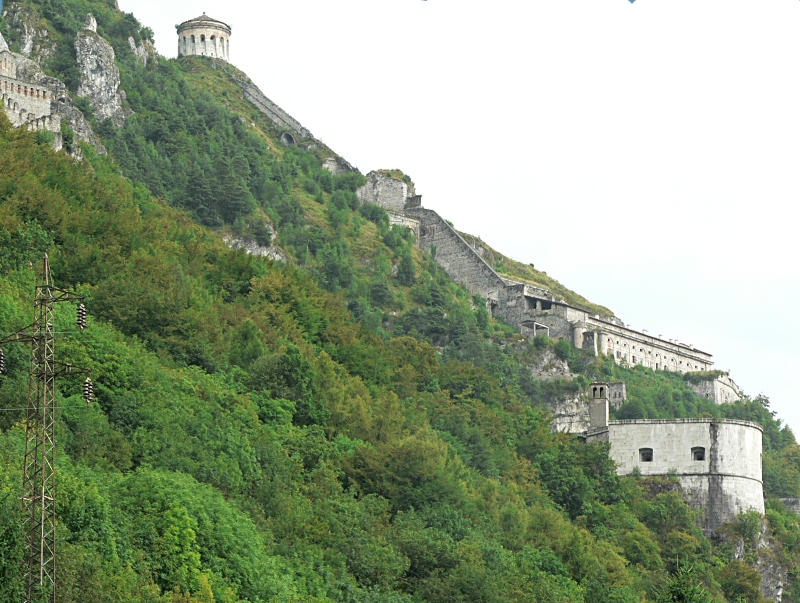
x=645 y=455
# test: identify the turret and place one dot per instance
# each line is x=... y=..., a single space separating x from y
x=205 y=37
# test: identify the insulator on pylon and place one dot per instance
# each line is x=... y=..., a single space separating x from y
x=88 y=390
x=2 y=362
x=81 y=321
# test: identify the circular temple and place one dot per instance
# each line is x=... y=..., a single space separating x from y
x=205 y=37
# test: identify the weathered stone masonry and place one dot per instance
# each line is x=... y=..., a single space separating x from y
x=204 y=36
x=717 y=461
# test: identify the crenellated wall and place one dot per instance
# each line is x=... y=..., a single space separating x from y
x=720 y=389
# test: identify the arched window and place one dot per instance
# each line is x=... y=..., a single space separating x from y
x=645 y=455
x=601 y=392
x=698 y=453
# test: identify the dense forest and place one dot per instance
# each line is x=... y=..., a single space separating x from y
x=347 y=425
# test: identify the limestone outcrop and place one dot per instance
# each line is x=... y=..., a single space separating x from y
x=3 y=45
x=144 y=51
x=570 y=414
x=100 y=81
x=272 y=252
x=760 y=551
x=34 y=39
x=550 y=366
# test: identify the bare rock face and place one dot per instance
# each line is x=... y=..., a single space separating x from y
x=34 y=39
x=252 y=248
x=760 y=551
x=549 y=366
x=570 y=414
x=337 y=166
x=3 y=45
x=100 y=75
x=143 y=52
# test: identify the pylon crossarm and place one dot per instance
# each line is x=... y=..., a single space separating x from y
x=60 y=295
x=62 y=369
x=21 y=336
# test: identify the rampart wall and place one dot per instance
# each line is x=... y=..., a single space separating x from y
x=635 y=347
x=717 y=461
x=721 y=390
x=26 y=102
x=455 y=255
x=22 y=100
x=385 y=191
x=401 y=219
x=273 y=112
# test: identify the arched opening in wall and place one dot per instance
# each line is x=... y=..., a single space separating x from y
x=601 y=392
x=594 y=392
x=287 y=138
x=698 y=453
x=645 y=455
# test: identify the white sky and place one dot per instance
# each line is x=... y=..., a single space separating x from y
x=645 y=155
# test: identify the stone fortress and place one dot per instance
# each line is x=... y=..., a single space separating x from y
x=534 y=310
x=32 y=99
x=716 y=461
x=205 y=37
x=27 y=94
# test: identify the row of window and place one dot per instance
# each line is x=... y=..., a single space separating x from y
x=224 y=44
x=7 y=86
x=658 y=365
x=646 y=454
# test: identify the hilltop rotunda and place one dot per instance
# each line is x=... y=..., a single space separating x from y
x=205 y=37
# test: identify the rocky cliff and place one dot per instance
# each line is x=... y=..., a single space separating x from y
x=33 y=37
x=100 y=75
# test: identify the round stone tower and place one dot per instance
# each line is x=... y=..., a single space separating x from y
x=205 y=37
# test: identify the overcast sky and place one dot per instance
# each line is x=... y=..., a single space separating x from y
x=646 y=155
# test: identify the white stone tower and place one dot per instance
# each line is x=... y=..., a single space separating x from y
x=205 y=37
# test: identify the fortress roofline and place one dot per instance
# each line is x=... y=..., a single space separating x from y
x=614 y=325
x=203 y=19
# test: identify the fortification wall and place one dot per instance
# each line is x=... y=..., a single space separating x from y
x=721 y=390
x=23 y=100
x=401 y=219
x=635 y=347
x=272 y=111
x=385 y=191
x=455 y=255
x=718 y=462
x=617 y=394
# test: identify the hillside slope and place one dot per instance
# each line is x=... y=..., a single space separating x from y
x=348 y=425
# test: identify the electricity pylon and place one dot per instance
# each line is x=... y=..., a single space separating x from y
x=38 y=468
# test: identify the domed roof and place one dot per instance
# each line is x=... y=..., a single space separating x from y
x=203 y=19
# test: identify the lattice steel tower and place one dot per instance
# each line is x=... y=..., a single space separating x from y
x=38 y=469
